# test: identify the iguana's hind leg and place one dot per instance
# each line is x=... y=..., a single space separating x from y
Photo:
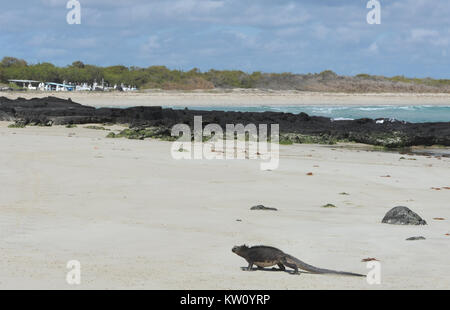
x=293 y=266
x=281 y=266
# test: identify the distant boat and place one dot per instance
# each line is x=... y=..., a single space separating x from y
x=59 y=87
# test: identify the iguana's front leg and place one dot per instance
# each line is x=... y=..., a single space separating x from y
x=250 y=266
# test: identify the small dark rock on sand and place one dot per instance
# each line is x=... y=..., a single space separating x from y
x=261 y=207
x=416 y=238
x=403 y=216
x=329 y=205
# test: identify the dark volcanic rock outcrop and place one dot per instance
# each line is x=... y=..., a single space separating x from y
x=300 y=128
x=416 y=238
x=403 y=216
x=262 y=208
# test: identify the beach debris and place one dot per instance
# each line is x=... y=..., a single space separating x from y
x=385 y=176
x=447 y=234
x=369 y=259
x=439 y=219
x=238 y=220
x=446 y=187
x=416 y=238
x=403 y=216
x=344 y=194
x=309 y=174
x=436 y=188
x=329 y=205
x=263 y=208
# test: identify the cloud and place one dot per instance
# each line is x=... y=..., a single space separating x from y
x=267 y=35
x=373 y=48
x=150 y=45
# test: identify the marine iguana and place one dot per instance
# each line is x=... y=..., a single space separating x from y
x=266 y=256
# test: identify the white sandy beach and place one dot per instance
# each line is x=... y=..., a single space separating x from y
x=136 y=218
x=239 y=97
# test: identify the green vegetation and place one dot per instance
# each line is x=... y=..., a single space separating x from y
x=14 y=86
x=71 y=126
x=163 y=78
x=17 y=125
x=382 y=141
x=285 y=141
x=151 y=77
x=94 y=127
x=309 y=139
x=141 y=134
x=402 y=79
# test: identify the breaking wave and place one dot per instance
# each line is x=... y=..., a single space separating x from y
x=413 y=114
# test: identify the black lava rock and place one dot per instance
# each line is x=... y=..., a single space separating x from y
x=416 y=238
x=261 y=207
x=403 y=216
x=389 y=133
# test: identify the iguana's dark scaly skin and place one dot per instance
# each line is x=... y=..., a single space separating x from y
x=266 y=256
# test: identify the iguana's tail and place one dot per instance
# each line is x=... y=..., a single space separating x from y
x=302 y=265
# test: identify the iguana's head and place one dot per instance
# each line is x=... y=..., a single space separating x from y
x=240 y=249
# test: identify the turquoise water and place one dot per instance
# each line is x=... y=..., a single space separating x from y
x=413 y=114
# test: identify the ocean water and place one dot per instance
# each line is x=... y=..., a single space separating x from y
x=413 y=114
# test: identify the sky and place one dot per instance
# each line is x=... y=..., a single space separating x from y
x=413 y=38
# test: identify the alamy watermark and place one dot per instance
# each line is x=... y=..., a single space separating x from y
x=374 y=275
x=73 y=277
x=239 y=142
x=374 y=15
x=74 y=15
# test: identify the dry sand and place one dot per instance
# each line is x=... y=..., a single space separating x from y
x=238 y=97
x=136 y=218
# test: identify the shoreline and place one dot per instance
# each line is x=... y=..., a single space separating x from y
x=299 y=128
x=240 y=97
